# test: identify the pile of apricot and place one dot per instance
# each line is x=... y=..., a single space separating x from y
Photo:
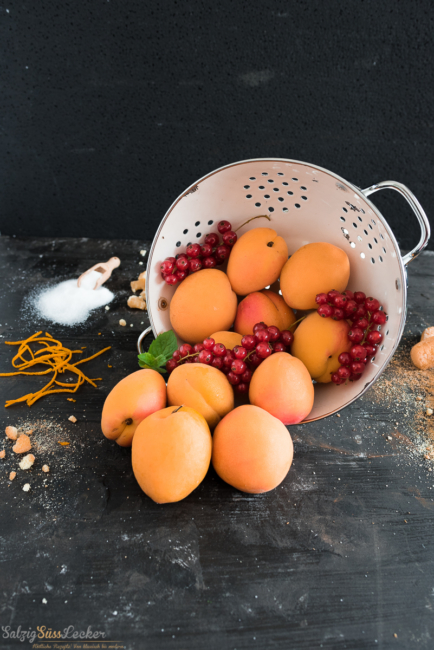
x=240 y=332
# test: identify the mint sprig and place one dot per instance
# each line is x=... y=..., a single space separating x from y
x=159 y=353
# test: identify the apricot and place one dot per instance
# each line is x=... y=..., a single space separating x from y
x=318 y=342
x=203 y=303
x=265 y=306
x=202 y=388
x=131 y=401
x=256 y=260
x=282 y=386
x=229 y=339
x=314 y=268
x=171 y=453
x=252 y=450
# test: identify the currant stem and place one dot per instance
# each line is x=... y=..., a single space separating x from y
x=260 y=216
x=297 y=321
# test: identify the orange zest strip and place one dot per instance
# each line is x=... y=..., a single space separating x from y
x=54 y=355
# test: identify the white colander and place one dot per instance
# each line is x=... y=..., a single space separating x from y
x=306 y=204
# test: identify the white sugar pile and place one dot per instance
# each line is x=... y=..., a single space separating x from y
x=68 y=304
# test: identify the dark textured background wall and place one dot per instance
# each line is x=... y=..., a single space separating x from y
x=110 y=108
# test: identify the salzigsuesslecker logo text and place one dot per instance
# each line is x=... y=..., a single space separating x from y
x=44 y=632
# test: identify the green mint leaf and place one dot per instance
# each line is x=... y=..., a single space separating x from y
x=147 y=360
x=164 y=345
x=142 y=364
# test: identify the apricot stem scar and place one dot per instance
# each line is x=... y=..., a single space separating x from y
x=177 y=409
x=128 y=421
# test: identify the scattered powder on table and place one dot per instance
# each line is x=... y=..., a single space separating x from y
x=68 y=304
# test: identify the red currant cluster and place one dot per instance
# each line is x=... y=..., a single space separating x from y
x=237 y=364
x=210 y=254
x=365 y=314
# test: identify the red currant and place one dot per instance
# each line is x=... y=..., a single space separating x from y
x=212 y=239
x=209 y=262
x=171 y=279
x=171 y=365
x=370 y=349
x=332 y=295
x=274 y=333
x=359 y=297
x=344 y=372
x=167 y=267
x=350 y=307
x=345 y=358
x=242 y=388
x=217 y=362
x=206 y=250
x=238 y=366
x=354 y=377
x=233 y=378
x=338 y=314
x=205 y=356
x=219 y=350
x=357 y=367
x=321 y=299
x=355 y=335
x=176 y=355
x=358 y=352
x=198 y=347
x=336 y=379
x=190 y=360
x=379 y=317
x=359 y=313
x=262 y=335
x=182 y=263
x=286 y=337
x=239 y=352
x=193 y=250
x=325 y=311
x=349 y=294
x=259 y=326
x=263 y=349
x=362 y=323
x=185 y=349
x=227 y=359
x=229 y=238
x=195 y=265
x=255 y=360
x=279 y=347
x=181 y=275
x=224 y=226
x=249 y=341
x=246 y=376
x=208 y=344
x=372 y=304
x=222 y=253
x=374 y=337
x=340 y=302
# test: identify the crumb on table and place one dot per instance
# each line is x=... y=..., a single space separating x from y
x=72 y=418
x=45 y=468
x=22 y=444
x=26 y=487
x=27 y=461
x=122 y=322
x=2 y=453
x=12 y=475
x=11 y=432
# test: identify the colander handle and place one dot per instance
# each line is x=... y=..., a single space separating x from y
x=143 y=335
x=417 y=209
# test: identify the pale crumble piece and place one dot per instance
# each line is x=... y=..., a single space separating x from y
x=22 y=445
x=142 y=278
x=136 y=303
x=2 y=453
x=429 y=411
x=11 y=432
x=143 y=252
x=45 y=468
x=137 y=285
x=107 y=308
x=72 y=418
x=143 y=295
x=26 y=487
x=427 y=333
x=12 y=475
x=27 y=461
x=122 y=322
x=29 y=433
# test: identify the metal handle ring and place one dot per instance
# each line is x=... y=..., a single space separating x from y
x=417 y=209
x=142 y=336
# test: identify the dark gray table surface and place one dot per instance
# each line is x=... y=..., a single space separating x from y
x=341 y=555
